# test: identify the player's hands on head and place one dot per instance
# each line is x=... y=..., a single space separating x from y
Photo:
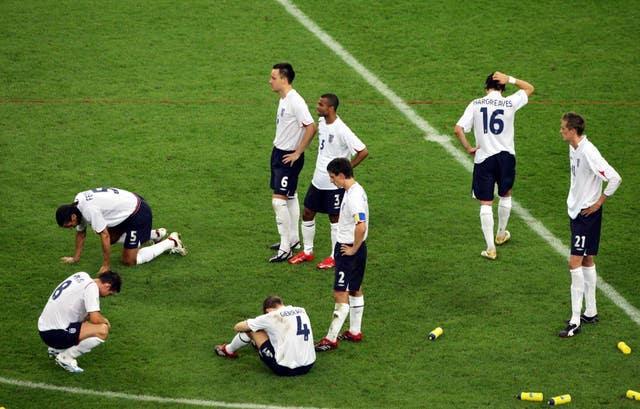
x=500 y=77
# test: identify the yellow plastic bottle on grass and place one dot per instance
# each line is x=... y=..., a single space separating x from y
x=560 y=400
x=624 y=348
x=531 y=396
x=435 y=333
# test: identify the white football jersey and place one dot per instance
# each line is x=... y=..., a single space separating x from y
x=491 y=117
x=335 y=140
x=291 y=118
x=105 y=207
x=71 y=301
x=289 y=330
x=354 y=210
x=588 y=170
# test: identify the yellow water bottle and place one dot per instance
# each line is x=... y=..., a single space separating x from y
x=633 y=395
x=435 y=333
x=622 y=346
x=531 y=396
x=560 y=400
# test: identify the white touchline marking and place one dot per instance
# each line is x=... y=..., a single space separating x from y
x=430 y=134
x=143 y=398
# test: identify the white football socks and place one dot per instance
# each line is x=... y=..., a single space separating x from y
x=83 y=347
x=577 y=294
x=486 y=221
x=239 y=340
x=308 y=235
x=294 y=216
x=146 y=254
x=504 y=211
x=356 y=309
x=590 y=278
x=283 y=221
x=340 y=312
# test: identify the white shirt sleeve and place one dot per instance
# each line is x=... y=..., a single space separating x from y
x=603 y=170
x=92 y=298
x=466 y=120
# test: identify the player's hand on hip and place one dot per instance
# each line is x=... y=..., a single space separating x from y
x=290 y=158
x=346 y=250
x=591 y=209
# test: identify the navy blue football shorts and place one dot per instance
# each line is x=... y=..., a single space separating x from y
x=499 y=168
x=284 y=177
x=268 y=356
x=137 y=227
x=585 y=234
x=323 y=201
x=62 y=338
x=349 y=270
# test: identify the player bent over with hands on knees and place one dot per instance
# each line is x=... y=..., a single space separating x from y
x=117 y=216
x=71 y=323
x=351 y=257
x=492 y=118
x=282 y=335
x=584 y=204
x=335 y=140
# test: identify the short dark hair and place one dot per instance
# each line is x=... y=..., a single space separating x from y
x=341 y=165
x=286 y=70
x=332 y=99
x=113 y=278
x=490 y=83
x=64 y=212
x=574 y=121
x=271 y=301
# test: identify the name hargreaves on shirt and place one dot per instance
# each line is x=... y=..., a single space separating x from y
x=494 y=102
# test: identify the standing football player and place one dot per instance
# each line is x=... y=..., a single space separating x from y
x=335 y=140
x=117 y=216
x=351 y=257
x=492 y=117
x=584 y=205
x=294 y=131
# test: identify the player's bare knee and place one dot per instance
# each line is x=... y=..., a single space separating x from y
x=129 y=261
x=103 y=331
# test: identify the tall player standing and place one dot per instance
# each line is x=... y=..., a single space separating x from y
x=294 y=131
x=335 y=140
x=584 y=205
x=492 y=117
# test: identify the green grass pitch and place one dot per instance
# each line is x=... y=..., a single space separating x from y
x=171 y=99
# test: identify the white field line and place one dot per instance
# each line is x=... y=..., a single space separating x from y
x=141 y=398
x=432 y=135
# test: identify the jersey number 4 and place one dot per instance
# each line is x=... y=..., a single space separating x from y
x=495 y=124
x=303 y=329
